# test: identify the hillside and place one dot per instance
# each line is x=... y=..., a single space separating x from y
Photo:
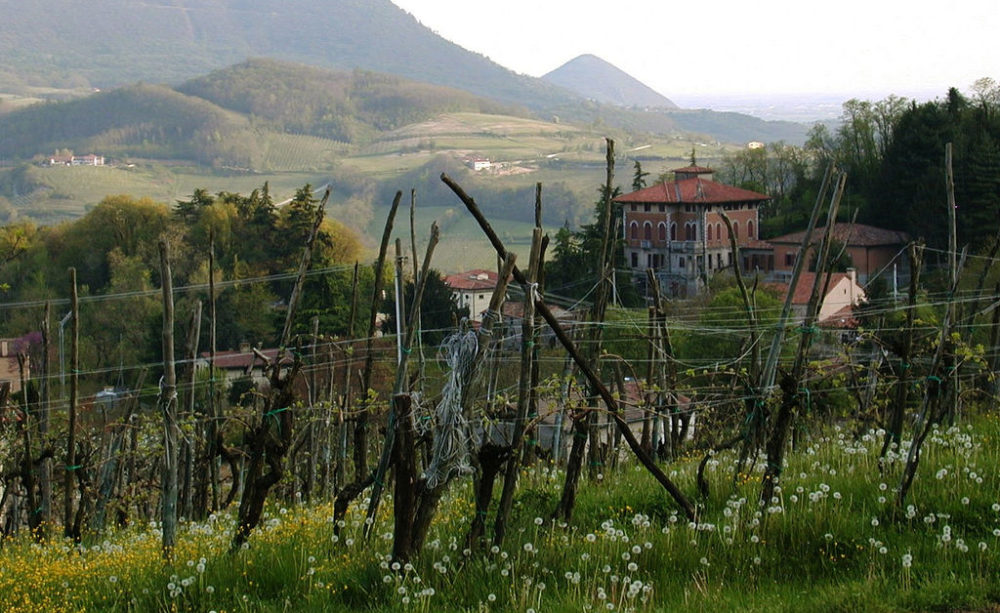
x=140 y=120
x=595 y=79
x=341 y=105
x=226 y=117
x=174 y=40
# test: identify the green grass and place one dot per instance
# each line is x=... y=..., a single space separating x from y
x=832 y=540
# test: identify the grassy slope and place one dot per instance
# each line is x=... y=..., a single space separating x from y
x=309 y=125
x=830 y=542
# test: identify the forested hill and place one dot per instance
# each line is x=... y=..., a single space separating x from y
x=341 y=105
x=140 y=120
x=105 y=43
x=218 y=119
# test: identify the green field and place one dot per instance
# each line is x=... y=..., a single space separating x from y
x=524 y=152
x=71 y=191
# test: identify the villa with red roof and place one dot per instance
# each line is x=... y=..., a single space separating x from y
x=676 y=229
x=472 y=289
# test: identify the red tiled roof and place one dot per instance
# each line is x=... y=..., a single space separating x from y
x=473 y=280
x=853 y=235
x=691 y=170
x=691 y=191
x=804 y=287
x=232 y=360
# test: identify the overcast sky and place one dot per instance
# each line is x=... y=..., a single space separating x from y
x=863 y=48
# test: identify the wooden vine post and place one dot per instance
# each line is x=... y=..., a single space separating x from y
x=168 y=408
x=894 y=431
x=214 y=451
x=527 y=352
x=790 y=385
x=584 y=431
x=345 y=390
x=28 y=476
x=74 y=365
x=45 y=393
x=193 y=449
x=271 y=437
x=399 y=446
x=939 y=384
x=489 y=458
x=361 y=426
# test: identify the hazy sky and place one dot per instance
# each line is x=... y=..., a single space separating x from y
x=865 y=48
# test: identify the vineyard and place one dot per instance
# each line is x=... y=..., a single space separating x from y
x=722 y=452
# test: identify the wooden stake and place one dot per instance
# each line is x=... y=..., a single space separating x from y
x=45 y=391
x=524 y=383
x=361 y=427
x=168 y=407
x=74 y=385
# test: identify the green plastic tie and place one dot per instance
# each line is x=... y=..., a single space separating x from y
x=74 y=467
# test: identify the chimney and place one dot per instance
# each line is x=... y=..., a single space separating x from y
x=852 y=275
x=244 y=347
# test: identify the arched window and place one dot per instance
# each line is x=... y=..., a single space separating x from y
x=673 y=231
x=709 y=231
x=661 y=232
x=736 y=229
x=750 y=229
x=634 y=230
x=718 y=230
x=647 y=231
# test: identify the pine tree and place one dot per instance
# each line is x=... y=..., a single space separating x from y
x=639 y=177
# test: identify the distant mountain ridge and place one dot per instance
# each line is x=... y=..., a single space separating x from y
x=113 y=43
x=108 y=43
x=596 y=79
